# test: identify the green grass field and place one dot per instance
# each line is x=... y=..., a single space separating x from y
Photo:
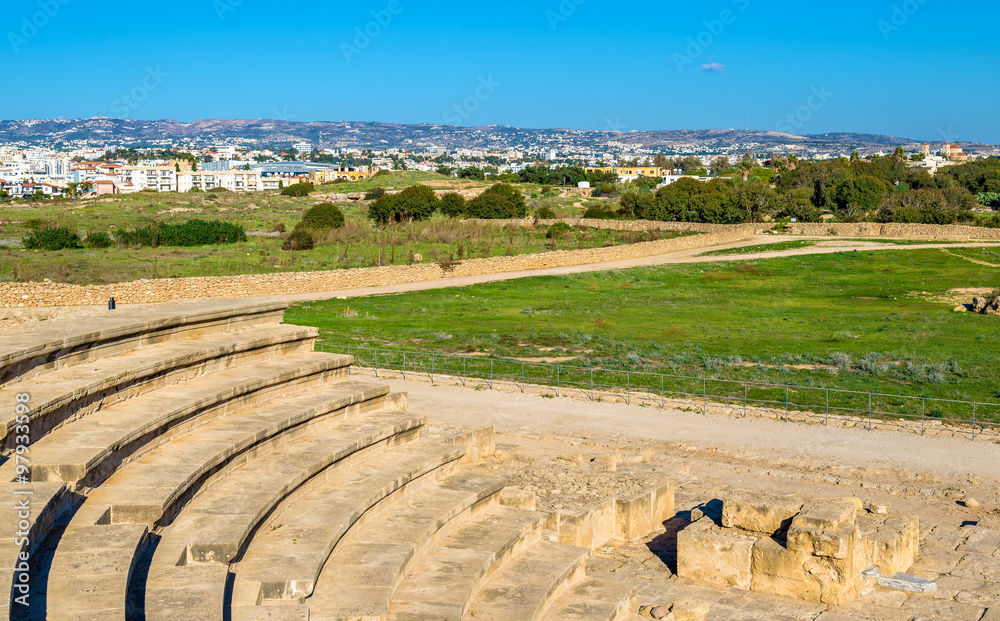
x=866 y=321
x=775 y=247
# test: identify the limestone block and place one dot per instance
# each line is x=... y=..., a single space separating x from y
x=690 y=610
x=634 y=517
x=780 y=571
x=590 y=528
x=839 y=580
x=707 y=552
x=838 y=543
x=759 y=512
x=892 y=541
x=829 y=513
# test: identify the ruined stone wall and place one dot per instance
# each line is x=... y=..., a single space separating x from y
x=13 y=295
x=909 y=231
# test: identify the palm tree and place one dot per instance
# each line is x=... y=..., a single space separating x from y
x=793 y=161
x=746 y=169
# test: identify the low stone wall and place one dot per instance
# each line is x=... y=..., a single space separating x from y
x=634 y=225
x=909 y=231
x=13 y=295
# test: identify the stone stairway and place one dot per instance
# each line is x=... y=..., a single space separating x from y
x=206 y=464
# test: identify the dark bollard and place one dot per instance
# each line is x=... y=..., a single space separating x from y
x=111 y=304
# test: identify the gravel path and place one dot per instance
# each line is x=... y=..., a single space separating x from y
x=632 y=426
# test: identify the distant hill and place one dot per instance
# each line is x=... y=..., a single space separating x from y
x=270 y=132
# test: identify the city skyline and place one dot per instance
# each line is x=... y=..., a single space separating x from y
x=905 y=69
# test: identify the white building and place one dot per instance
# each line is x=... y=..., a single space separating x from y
x=232 y=180
x=138 y=178
x=303 y=147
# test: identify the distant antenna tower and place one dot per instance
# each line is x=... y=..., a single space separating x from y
x=748 y=123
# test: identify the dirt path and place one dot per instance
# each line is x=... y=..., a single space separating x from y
x=637 y=427
x=969 y=259
x=685 y=256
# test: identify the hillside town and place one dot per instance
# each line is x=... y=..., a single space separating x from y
x=33 y=173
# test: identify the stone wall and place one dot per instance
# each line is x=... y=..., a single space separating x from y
x=13 y=295
x=635 y=225
x=908 y=231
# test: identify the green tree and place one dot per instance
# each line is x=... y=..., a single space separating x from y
x=298 y=190
x=453 y=205
x=323 y=217
x=502 y=201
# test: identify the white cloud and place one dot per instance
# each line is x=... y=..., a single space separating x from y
x=713 y=68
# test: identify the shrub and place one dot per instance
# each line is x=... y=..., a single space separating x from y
x=597 y=192
x=35 y=224
x=453 y=205
x=597 y=213
x=98 y=240
x=546 y=213
x=299 y=239
x=298 y=189
x=52 y=239
x=559 y=230
x=416 y=202
x=191 y=233
x=374 y=194
x=219 y=190
x=323 y=217
x=500 y=202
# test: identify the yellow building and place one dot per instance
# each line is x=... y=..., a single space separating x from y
x=348 y=174
x=628 y=173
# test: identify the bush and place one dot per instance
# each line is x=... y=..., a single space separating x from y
x=559 y=230
x=546 y=213
x=299 y=239
x=298 y=189
x=416 y=202
x=35 y=224
x=219 y=190
x=989 y=199
x=500 y=202
x=98 y=240
x=191 y=233
x=453 y=205
x=323 y=217
x=596 y=213
x=52 y=239
x=597 y=193
x=374 y=194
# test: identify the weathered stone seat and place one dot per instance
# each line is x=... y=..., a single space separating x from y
x=61 y=342
x=145 y=490
x=88 y=450
x=442 y=584
x=218 y=523
x=93 y=567
x=527 y=586
x=367 y=565
x=593 y=599
x=73 y=392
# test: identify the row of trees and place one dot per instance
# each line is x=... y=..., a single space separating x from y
x=419 y=202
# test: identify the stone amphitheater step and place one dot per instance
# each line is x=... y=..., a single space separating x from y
x=593 y=599
x=145 y=490
x=443 y=583
x=94 y=567
x=527 y=586
x=62 y=342
x=42 y=504
x=216 y=525
x=75 y=391
x=86 y=451
x=369 y=562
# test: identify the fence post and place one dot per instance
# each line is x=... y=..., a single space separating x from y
x=973 y=421
x=786 y=404
x=869 y=411
x=591 y=383
x=704 y=396
x=628 y=388
x=404 y=365
x=663 y=402
x=923 y=414
x=491 y=375
x=745 y=392
x=432 y=368
x=463 y=372
x=827 y=407
x=558 y=380
x=376 y=362
x=522 y=378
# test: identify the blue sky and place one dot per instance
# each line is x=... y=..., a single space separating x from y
x=922 y=69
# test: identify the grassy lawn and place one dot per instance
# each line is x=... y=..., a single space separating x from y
x=860 y=321
x=775 y=247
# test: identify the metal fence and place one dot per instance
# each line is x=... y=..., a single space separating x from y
x=872 y=410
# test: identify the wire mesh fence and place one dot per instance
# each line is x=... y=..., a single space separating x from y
x=824 y=405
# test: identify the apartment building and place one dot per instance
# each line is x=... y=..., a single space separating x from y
x=158 y=178
x=232 y=180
